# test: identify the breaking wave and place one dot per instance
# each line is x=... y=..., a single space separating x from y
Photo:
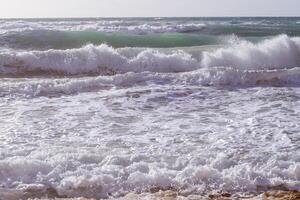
x=272 y=62
x=109 y=26
x=277 y=53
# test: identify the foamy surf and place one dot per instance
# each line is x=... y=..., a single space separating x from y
x=278 y=53
x=94 y=120
x=91 y=152
x=273 y=61
x=214 y=77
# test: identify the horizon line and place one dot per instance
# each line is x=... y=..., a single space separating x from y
x=85 y=17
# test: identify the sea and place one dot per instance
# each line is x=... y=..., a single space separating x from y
x=103 y=107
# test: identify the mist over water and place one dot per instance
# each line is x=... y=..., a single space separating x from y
x=104 y=107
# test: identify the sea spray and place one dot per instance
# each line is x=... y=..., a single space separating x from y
x=281 y=52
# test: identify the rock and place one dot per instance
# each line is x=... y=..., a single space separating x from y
x=281 y=195
x=155 y=194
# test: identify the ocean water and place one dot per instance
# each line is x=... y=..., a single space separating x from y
x=103 y=107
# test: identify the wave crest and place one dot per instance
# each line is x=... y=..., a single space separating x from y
x=278 y=53
x=273 y=62
x=96 y=60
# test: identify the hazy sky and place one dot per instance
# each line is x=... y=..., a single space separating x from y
x=140 y=8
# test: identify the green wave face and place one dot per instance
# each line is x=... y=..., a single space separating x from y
x=75 y=39
x=45 y=39
x=141 y=32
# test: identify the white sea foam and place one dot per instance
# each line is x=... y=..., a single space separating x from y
x=147 y=121
x=95 y=59
x=277 y=53
x=273 y=61
x=189 y=138
x=102 y=25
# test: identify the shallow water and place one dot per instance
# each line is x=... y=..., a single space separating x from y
x=195 y=139
x=96 y=120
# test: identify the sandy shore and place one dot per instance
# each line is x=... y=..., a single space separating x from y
x=9 y=194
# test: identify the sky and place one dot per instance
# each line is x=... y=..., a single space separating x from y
x=147 y=8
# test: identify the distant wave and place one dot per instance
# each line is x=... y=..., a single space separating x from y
x=48 y=39
x=44 y=34
x=211 y=26
x=135 y=27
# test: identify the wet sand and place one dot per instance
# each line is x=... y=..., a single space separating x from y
x=11 y=194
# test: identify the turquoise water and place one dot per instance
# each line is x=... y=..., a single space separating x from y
x=139 y=32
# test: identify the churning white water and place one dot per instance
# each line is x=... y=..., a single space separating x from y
x=98 y=121
x=112 y=141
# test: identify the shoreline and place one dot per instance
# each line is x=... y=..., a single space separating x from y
x=14 y=194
